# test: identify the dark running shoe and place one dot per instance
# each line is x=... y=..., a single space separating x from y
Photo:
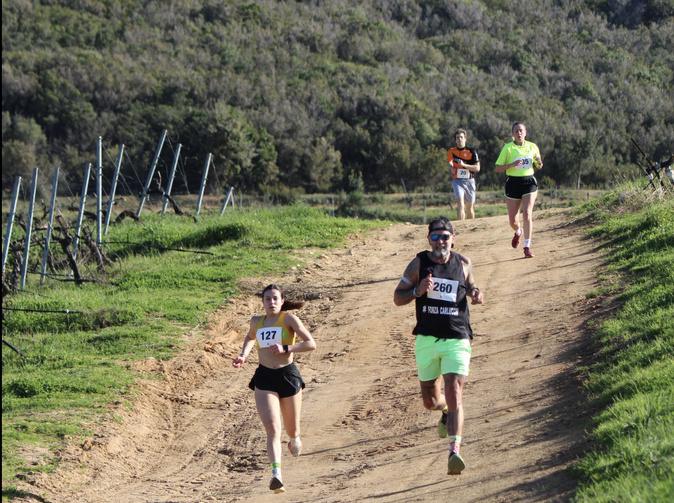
x=516 y=240
x=276 y=485
x=528 y=253
x=455 y=464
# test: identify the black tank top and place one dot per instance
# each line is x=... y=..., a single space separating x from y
x=443 y=312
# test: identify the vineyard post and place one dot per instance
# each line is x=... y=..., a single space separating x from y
x=10 y=222
x=227 y=199
x=172 y=174
x=202 y=187
x=29 y=230
x=99 y=191
x=150 y=174
x=50 y=226
x=113 y=188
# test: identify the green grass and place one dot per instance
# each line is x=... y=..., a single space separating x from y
x=74 y=364
x=419 y=207
x=632 y=381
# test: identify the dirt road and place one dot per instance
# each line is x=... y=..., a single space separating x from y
x=193 y=434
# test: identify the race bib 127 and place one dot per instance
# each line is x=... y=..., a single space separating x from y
x=268 y=336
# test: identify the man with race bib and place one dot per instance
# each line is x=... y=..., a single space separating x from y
x=440 y=282
x=519 y=159
x=277 y=381
x=465 y=164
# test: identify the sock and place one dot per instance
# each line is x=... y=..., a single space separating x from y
x=518 y=231
x=454 y=443
x=276 y=470
x=527 y=243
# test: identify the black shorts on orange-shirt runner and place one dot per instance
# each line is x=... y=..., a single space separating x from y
x=518 y=186
x=286 y=381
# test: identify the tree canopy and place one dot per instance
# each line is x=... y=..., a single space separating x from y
x=314 y=94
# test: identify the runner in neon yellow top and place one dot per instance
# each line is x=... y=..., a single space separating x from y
x=519 y=159
x=526 y=153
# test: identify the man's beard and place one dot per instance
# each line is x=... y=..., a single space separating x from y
x=441 y=254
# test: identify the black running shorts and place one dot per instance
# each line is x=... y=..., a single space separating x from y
x=518 y=186
x=286 y=381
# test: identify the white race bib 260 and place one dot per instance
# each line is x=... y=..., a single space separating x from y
x=444 y=289
x=268 y=336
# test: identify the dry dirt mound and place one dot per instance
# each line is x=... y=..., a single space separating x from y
x=194 y=436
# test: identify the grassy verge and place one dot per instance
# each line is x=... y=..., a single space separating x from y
x=419 y=208
x=73 y=365
x=632 y=381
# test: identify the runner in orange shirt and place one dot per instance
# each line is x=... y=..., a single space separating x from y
x=464 y=164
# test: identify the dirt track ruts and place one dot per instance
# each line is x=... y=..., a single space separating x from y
x=193 y=435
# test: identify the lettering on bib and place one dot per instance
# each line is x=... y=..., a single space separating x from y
x=462 y=173
x=443 y=311
x=444 y=289
x=268 y=336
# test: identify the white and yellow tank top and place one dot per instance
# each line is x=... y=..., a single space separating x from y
x=278 y=333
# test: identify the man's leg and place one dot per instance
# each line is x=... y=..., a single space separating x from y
x=470 y=209
x=431 y=394
x=454 y=397
x=428 y=370
x=459 y=195
x=470 y=198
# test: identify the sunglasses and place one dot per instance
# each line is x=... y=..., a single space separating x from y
x=440 y=237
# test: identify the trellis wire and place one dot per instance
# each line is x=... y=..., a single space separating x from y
x=113 y=187
x=135 y=173
x=172 y=174
x=80 y=215
x=150 y=173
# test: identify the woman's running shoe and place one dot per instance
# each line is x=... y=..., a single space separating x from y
x=516 y=240
x=295 y=446
x=276 y=485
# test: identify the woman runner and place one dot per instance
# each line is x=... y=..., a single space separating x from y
x=277 y=381
x=519 y=159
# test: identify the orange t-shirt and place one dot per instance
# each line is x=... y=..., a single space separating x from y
x=467 y=154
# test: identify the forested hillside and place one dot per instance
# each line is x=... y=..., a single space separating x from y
x=318 y=95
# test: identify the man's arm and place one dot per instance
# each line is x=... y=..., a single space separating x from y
x=405 y=291
x=477 y=297
x=475 y=167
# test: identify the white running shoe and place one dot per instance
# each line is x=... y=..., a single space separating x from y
x=295 y=446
